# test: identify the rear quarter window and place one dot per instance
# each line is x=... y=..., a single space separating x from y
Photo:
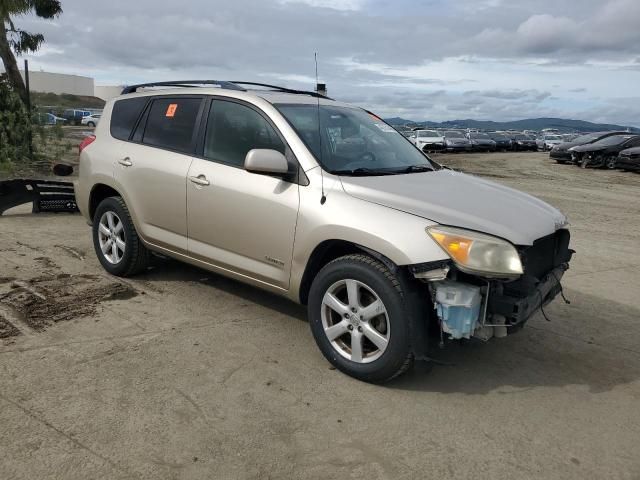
x=125 y=115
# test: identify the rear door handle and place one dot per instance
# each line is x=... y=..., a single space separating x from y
x=125 y=162
x=200 y=180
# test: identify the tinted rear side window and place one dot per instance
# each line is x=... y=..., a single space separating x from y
x=171 y=123
x=124 y=116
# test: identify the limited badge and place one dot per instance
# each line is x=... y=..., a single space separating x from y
x=171 y=110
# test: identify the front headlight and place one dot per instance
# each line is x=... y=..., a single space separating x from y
x=478 y=253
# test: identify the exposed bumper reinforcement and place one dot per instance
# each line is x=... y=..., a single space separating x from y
x=518 y=310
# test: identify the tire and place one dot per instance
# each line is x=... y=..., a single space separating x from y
x=122 y=262
x=391 y=320
x=610 y=163
x=91 y=124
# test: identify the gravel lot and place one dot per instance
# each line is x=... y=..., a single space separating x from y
x=183 y=374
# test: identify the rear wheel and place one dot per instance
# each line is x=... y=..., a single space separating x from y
x=91 y=124
x=359 y=318
x=116 y=241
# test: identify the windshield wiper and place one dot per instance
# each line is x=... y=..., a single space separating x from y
x=416 y=169
x=364 y=172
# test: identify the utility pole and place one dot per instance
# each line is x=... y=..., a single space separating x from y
x=26 y=82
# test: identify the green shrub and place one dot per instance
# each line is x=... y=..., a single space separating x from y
x=15 y=129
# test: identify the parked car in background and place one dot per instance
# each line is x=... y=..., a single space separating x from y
x=456 y=141
x=503 y=141
x=629 y=159
x=91 y=120
x=562 y=154
x=603 y=153
x=546 y=142
x=74 y=117
x=429 y=140
x=522 y=142
x=48 y=119
x=481 y=142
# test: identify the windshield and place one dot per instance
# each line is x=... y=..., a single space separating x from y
x=351 y=141
x=453 y=135
x=553 y=137
x=522 y=137
x=590 y=137
x=500 y=136
x=427 y=133
x=613 y=140
x=480 y=135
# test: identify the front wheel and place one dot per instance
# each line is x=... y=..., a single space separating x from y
x=359 y=319
x=611 y=163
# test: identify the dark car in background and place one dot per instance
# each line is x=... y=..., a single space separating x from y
x=481 y=142
x=456 y=142
x=604 y=153
x=629 y=159
x=503 y=142
x=74 y=117
x=522 y=142
x=561 y=154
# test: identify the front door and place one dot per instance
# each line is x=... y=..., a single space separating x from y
x=239 y=221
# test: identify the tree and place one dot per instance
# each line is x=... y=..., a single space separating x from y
x=13 y=39
x=15 y=127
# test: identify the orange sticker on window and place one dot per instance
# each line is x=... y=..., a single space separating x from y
x=171 y=110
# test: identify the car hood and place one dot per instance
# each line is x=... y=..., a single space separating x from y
x=589 y=147
x=631 y=151
x=482 y=141
x=457 y=199
x=457 y=140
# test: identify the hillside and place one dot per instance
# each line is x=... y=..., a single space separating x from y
x=65 y=100
x=563 y=125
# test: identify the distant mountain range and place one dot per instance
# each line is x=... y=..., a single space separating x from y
x=563 y=125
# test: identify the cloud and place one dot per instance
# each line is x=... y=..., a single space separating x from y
x=368 y=49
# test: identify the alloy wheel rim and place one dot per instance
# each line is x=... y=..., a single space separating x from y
x=355 y=321
x=111 y=237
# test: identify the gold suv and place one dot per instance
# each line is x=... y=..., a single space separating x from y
x=324 y=203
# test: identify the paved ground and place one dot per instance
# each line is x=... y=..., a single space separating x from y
x=183 y=374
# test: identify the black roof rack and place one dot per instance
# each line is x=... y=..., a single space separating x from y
x=281 y=89
x=182 y=83
x=233 y=85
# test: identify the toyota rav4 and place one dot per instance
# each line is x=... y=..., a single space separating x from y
x=323 y=203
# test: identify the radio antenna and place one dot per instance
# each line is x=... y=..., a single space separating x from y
x=323 y=198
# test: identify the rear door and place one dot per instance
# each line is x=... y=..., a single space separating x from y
x=239 y=221
x=152 y=165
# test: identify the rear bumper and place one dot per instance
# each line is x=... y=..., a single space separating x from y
x=518 y=310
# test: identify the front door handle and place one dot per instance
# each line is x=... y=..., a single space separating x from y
x=125 y=162
x=199 y=180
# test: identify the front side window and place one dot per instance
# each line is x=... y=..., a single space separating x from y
x=350 y=141
x=171 y=123
x=234 y=129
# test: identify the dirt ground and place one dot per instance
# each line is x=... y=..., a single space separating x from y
x=182 y=374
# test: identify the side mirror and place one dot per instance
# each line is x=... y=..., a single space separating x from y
x=261 y=160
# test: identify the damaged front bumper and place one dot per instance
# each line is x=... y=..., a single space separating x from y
x=469 y=306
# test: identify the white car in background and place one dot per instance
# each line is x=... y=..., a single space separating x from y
x=429 y=140
x=91 y=120
x=547 y=142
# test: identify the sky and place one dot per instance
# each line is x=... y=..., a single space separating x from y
x=418 y=59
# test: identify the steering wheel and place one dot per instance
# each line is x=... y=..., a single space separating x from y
x=367 y=156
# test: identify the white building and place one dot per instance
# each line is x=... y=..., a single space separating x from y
x=47 y=82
